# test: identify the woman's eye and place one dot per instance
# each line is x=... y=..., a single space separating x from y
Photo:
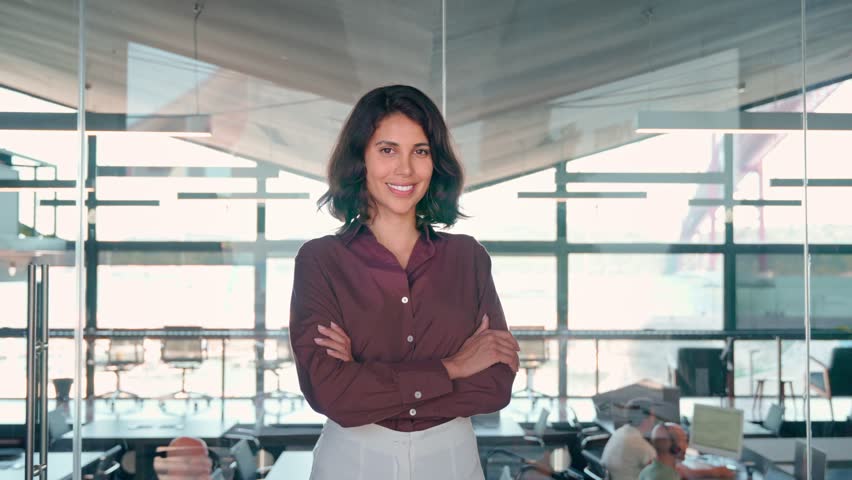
x=386 y=150
x=422 y=152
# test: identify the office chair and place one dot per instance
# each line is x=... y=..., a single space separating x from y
x=786 y=392
x=243 y=458
x=283 y=359
x=701 y=372
x=123 y=355
x=774 y=419
x=835 y=378
x=534 y=353
x=57 y=425
x=595 y=470
x=108 y=465
x=186 y=353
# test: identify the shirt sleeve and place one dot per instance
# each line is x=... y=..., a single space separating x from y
x=350 y=393
x=491 y=389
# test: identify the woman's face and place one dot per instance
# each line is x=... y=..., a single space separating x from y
x=399 y=166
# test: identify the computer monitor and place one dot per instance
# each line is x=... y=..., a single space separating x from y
x=717 y=431
x=800 y=464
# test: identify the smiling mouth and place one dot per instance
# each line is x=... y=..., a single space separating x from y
x=400 y=189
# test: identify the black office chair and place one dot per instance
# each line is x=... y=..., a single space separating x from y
x=186 y=352
x=834 y=378
x=594 y=470
x=701 y=372
x=123 y=355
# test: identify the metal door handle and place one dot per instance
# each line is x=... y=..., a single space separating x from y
x=37 y=341
x=31 y=367
x=45 y=282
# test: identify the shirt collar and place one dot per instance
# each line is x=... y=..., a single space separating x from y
x=356 y=227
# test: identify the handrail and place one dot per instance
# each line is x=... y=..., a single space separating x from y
x=566 y=334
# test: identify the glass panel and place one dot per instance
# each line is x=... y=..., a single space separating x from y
x=39 y=162
x=176 y=219
x=828 y=223
x=634 y=292
x=496 y=213
x=623 y=362
x=279 y=286
x=155 y=296
x=770 y=291
x=206 y=378
x=664 y=214
x=527 y=289
x=297 y=219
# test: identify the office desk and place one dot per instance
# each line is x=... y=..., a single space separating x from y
x=153 y=429
x=750 y=430
x=59 y=466
x=504 y=432
x=144 y=436
x=292 y=465
x=838 y=450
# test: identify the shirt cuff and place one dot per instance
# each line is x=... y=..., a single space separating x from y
x=423 y=380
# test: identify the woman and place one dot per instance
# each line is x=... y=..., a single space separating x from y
x=397 y=330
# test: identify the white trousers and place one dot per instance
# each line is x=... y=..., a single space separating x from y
x=370 y=452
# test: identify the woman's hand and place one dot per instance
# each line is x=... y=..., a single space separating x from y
x=337 y=343
x=481 y=350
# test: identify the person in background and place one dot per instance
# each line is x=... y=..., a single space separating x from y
x=628 y=450
x=186 y=458
x=669 y=441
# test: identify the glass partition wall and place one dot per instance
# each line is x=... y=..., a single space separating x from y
x=41 y=147
x=637 y=173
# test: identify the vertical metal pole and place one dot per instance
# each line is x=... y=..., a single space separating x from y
x=31 y=368
x=43 y=355
x=729 y=270
x=91 y=261
x=79 y=246
x=562 y=280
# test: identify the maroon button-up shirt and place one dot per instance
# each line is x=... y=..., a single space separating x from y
x=401 y=323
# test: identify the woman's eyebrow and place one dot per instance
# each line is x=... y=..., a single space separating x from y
x=394 y=144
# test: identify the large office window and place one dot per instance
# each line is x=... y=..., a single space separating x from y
x=646 y=291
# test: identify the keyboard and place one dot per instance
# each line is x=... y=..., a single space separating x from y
x=710 y=461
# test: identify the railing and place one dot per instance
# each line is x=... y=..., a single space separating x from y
x=556 y=334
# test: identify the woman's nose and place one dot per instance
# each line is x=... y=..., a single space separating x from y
x=403 y=166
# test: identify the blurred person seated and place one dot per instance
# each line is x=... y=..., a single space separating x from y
x=628 y=450
x=186 y=458
x=670 y=443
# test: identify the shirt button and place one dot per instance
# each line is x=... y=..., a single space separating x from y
x=410 y=338
x=404 y=299
x=412 y=412
x=417 y=394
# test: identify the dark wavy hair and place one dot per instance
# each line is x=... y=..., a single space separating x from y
x=347 y=197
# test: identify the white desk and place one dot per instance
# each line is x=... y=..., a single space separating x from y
x=59 y=466
x=838 y=450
